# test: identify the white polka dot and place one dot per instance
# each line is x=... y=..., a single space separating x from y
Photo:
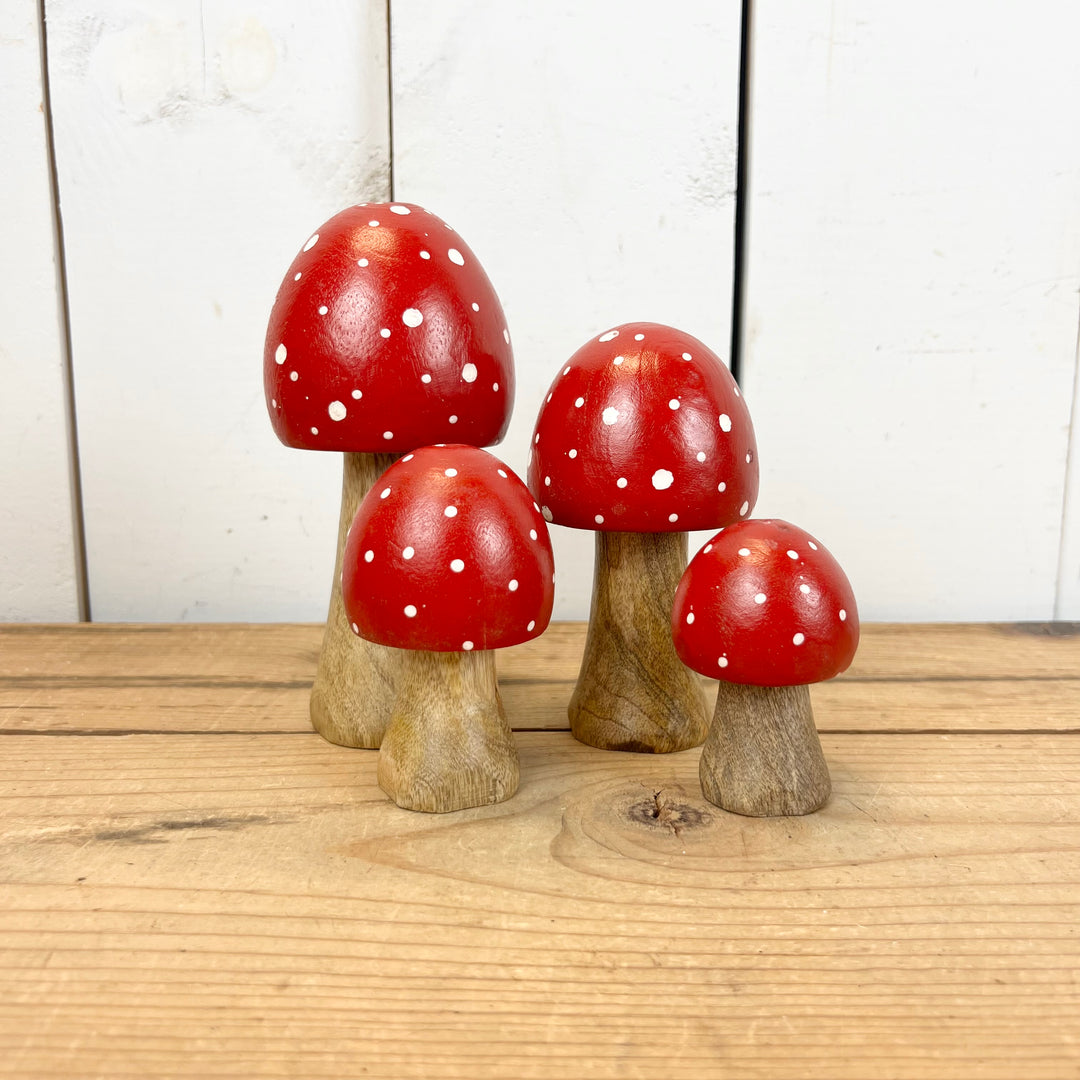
x=294 y=376
x=639 y=337
x=450 y=511
x=476 y=307
x=456 y=257
x=547 y=481
x=673 y=404
x=467 y=646
x=336 y=410
x=506 y=336
x=457 y=565
x=373 y=224
x=610 y=415
x=501 y=473
x=792 y=554
x=687 y=356
x=387 y=434
x=725 y=422
x=361 y=262
x=579 y=402
x=280 y=353
x=759 y=598
x=689 y=618
x=736 y=389
x=384 y=493
x=410 y=610
x=323 y=309
x=408 y=553
x=312 y=242
x=425 y=254
x=798 y=639
x=701 y=455
x=369 y=555
x=721 y=486
x=662 y=479
x=399 y=210
x=742 y=509
x=314 y=431
x=408 y=457
x=804 y=589
x=357 y=395
x=673 y=518
x=749 y=457
x=813 y=546
x=536 y=438
x=450 y=472
x=495 y=387
x=531 y=625
x=468 y=373
x=707 y=548
x=273 y=403
x=425 y=378
x=843 y=614
x=355 y=628
x=566 y=371
x=572 y=454
x=532 y=534
x=744 y=552
x=296 y=276
x=453 y=419
x=611 y=335
x=549 y=399
x=412 y=317
x=384 y=332
x=513 y=585
x=621 y=482
x=618 y=361
x=722 y=661
x=546 y=513
x=599 y=519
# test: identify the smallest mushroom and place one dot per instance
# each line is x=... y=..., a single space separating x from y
x=764 y=608
x=448 y=557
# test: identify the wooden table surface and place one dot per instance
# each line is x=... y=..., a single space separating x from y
x=192 y=884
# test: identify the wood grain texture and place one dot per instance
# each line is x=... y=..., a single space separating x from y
x=354 y=686
x=448 y=745
x=38 y=579
x=762 y=757
x=633 y=692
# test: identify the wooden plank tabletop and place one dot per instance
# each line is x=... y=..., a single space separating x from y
x=192 y=884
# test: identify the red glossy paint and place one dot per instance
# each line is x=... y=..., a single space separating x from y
x=632 y=432
x=381 y=298
x=738 y=617
x=448 y=549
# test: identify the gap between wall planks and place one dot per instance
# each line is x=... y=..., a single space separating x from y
x=121 y=679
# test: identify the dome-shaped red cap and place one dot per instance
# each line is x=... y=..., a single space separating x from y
x=386 y=335
x=764 y=603
x=644 y=430
x=448 y=553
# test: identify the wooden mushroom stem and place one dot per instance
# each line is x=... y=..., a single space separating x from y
x=633 y=692
x=763 y=757
x=448 y=745
x=354 y=682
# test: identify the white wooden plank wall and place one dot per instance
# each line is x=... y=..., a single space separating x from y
x=198 y=145
x=37 y=549
x=911 y=321
x=587 y=153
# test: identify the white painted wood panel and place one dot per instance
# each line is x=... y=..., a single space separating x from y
x=587 y=153
x=1068 y=592
x=912 y=306
x=38 y=578
x=198 y=145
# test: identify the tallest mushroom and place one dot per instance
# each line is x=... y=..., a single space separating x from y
x=386 y=335
x=643 y=436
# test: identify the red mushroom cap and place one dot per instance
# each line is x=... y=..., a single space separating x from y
x=764 y=603
x=386 y=335
x=644 y=430
x=448 y=553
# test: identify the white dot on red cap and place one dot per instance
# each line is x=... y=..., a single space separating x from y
x=798 y=639
x=408 y=553
x=355 y=628
x=673 y=518
x=578 y=402
x=361 y=262
x=572 y=454
x=506 y=336
x=369 y=555
x=749 y=457
x=687 y=356
x=501 y=473
x=410 y=610
x=408 y=457
x=384 y=332
x=384 y=493
x=566 y=370
x=701 y=455
x=495 y=387
x=689 y=618
x=456 y=257
x=744 y=552
x=467 y=646
x=296 y=276
x=843 y=614
x=476 y=307
x=453 y=419
x=742 y=509
x=722 y=661
x=662 y=479
x=736 y=389
x=357 y=395
x=412 y=317
x=311 y=242
x=294 y=375
x=280 y=353
x=450 y=472
x=610 y=415
x=336 y=410
x=513 y=585
x=425 y=378
x=450 y=511
x=759 y=598
x=314 y=431
x=621 y=482
x=536 y=438
x=323 y=309
x=547 y=481
x=611 y=335
x=707 y=548
x=425 y=254
x=273 y=403
x=721 y=486
x=813 y=545
x=618 y=361
x=532 y=623
x=399 y=210
x=599 y=519
x=725 y=422
x=457 y=565
x=546 y=514
x=804 y=589
x=673 y=404
x=468 y=373
x=639 y=337
x=792 y=554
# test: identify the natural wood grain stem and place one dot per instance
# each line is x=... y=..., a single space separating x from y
x=763 y=757
x=354 y=683
x=633 y=692
x=448 y=745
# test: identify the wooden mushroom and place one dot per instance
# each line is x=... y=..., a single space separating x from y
x=643 y=436
x=386 y=335
x=764 y=608
x=448 y=558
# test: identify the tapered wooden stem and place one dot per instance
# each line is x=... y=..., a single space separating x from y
x=763 y=756
x=354 y=682
x=448 y=745
x=633 y=692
